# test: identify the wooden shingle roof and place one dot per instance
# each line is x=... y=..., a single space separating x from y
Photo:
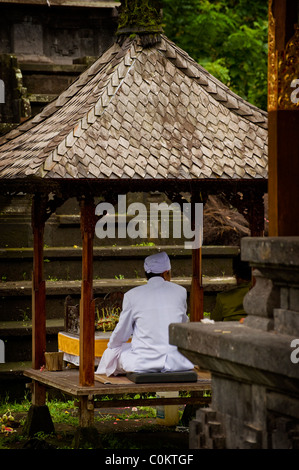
x=138 y=113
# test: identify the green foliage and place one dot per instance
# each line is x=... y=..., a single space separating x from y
x=227 y=37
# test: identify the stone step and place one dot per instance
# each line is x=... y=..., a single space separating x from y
x=24 y=328
x=39 y=100
x=17 y=337
x=12 y=381
x=17 y=367
x=15 y=297
x=64 y=229
x=15 y=308
x=45 y=81
x=64 y=263
x=49 y=78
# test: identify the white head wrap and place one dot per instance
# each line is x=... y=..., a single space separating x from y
x=157 y=263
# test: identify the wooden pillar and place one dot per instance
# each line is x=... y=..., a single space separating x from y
x=87 y=313
x=252 y=208
x=86 y=411
x=196 y=293
x=257 y=214
x=38 y=283
x=283 y=114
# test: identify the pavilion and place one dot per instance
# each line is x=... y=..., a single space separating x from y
x=145 y=116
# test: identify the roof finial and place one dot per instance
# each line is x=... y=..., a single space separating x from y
x=140 y=17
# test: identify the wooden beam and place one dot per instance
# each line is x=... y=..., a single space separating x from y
x=87 y=313
x=196 y=293
x=66 y=3
x=283 y=113
x=283 y=173
x=38 y=283
x=116 y=403
x=38 y=394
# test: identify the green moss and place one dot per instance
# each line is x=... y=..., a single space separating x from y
x=140 y=14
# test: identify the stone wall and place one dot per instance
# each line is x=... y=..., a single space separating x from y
x=43 y=49
x=255 y=364
x=58 y=34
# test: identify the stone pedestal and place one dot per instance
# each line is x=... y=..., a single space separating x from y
x=255 y=364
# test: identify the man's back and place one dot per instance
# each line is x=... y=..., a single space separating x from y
x=154 y=306
x=146 y=315
x=150 y=309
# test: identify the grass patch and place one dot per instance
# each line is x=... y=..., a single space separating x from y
x=115 y=433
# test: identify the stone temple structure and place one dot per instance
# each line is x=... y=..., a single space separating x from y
x=144 y=116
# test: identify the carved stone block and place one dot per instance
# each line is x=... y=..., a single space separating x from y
x=263 y=297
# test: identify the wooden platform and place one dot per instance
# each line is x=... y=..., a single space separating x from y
x=68 y=382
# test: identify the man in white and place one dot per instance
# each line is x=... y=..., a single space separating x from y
x=147 y=313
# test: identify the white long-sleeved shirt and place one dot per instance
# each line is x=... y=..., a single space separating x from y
x=147 y=313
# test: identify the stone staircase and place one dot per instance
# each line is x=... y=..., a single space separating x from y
x=45 y=81
x=33 y=85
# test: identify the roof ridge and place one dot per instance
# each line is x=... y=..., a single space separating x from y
x=215 y=87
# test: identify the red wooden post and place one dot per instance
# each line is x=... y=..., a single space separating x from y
x=283 y=112
x=38 y=284
x=87 y=314
x=196 y=294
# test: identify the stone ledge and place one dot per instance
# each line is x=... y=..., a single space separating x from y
x=41 y=98
x=16 y=368
x=236 y=346
x=271 y=251
x=100 y=286
x=124 y=251
x=24 y=328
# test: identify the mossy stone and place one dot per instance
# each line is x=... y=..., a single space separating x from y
x=136 y=15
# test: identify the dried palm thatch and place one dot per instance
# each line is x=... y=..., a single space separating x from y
x=223 y=224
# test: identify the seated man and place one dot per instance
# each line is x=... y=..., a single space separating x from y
x=147 y=312
x=229 y=304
